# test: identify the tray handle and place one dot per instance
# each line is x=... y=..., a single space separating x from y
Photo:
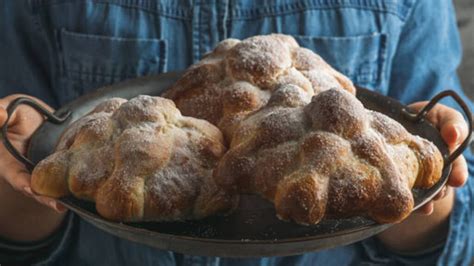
x=40 y=109
x=422 y=114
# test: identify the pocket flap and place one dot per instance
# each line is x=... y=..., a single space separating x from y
x=96 y=55
x=361 y=58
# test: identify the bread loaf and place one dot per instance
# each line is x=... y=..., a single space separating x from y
x=295 y=135
x=239 y=77
x=138 y=160
x=331 y=158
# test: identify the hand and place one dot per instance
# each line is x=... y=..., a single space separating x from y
x=454 y=130
x=24 y=122
x=419 y=233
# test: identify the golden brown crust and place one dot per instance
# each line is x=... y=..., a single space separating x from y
x=50 y=175
x=331 y=158
x=297 y=136
x=138 y=160
x=239 y=77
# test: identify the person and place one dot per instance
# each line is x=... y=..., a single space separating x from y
x=58 y=50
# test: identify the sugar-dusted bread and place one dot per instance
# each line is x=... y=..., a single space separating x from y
x=138 y=160
x=296 y=135
x=331 y=158
x=239 y=77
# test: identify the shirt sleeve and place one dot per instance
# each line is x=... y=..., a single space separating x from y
x=425 y=63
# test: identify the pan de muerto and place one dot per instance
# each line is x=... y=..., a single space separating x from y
x=238 y=77
x=138 y=160
x=331 y=158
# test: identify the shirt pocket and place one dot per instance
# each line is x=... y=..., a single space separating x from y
x=88 y=61
x=361 y=58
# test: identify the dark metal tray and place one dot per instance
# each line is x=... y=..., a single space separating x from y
x=253 y=229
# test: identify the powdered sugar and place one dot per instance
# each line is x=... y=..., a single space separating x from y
x=265 y=63
x=337 y=141
x=145 y=139
x=284 y=146
x=95 y=122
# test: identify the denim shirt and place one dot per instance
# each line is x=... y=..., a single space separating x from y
x=59 y=50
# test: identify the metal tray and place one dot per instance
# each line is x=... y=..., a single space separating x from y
x=253 y=229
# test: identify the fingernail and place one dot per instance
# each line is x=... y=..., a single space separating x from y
x=28 y=190
x=52 y=204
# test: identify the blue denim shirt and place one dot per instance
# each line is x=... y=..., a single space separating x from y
x=58 y=50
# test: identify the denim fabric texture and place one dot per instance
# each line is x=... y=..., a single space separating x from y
x=58 y=50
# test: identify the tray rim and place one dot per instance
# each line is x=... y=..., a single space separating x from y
x=125 y=225
x=131 y=228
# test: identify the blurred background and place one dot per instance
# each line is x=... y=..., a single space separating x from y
x=465 y=14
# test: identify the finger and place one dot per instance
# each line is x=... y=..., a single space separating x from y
x=50 y=203
x=452 y=125
x=19 y=179
x=22 y=112
x=450 y=122
x=453 y=133
x=459 y=172
x=4 y=102
x=47 y=201
x=441 y=194
x=3 y=116
x=426 y=209
x=7 y=100
x=22 y=119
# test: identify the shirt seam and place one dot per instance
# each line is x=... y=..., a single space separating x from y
x=106 y=38
x=161 y=10
x=401 y=11
x=97 y=74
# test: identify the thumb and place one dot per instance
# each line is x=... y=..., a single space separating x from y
x=454 y=132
